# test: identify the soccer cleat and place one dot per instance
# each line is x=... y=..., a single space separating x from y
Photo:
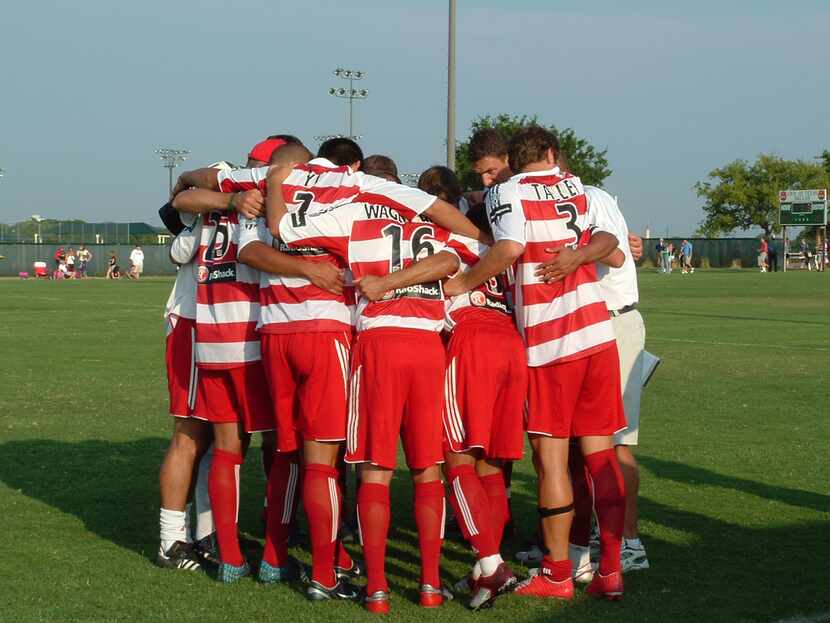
x=538 y=585
x=580 y=557
x=228 y=573
x=180 y=555
x=608 y=586
x=585 y=573
x=530 y=556
x=377 y=602
x=207 y=550
x=467 y=584
x=355 y=571
x=488 y=587
x=633 y=558
x=291 y=571
x=431 y=597
x=341 y=590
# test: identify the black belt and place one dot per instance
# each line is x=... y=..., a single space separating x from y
x=623 y=310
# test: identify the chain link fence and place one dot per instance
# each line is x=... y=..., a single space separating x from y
x=711 y=252
x=20 y=258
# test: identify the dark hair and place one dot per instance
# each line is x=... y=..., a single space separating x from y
x=530 y=145
x=487 y=142
x=340 y=151
x=378 y=163
x=441 y=182
x=288 y=138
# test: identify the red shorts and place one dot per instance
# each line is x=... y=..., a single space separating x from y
x=396 y=388
x=308 y=379
x=235 y=395
x=485 y=390
x=577 y=398
x=182 y=373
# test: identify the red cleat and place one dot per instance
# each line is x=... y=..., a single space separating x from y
x=488 y=587
x=377 y=602
x=431 y=597
x=608 y=586
x=539 y=585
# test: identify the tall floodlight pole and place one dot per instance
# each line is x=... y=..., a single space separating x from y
x=171 y=159
x=451 y=90
x=351 y=93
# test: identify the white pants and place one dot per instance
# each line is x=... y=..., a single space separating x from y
x=630 y=332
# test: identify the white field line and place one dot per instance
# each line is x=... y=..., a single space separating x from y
x=822 y=617
x=779 y=346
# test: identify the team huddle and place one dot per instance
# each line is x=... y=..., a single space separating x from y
x=334 y=310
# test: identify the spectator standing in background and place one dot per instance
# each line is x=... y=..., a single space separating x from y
x=112 y=267
x=772 y=257
x=805 y=254
x=686 y=258
x=669 y=254
x=59 y=255
x=84 y=257
x=70 y=262
x=661 y=260
x=137 y=260
x=763 y=252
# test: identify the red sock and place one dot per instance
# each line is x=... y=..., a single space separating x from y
x=283 y=490
x=223 y=488
x=321 y=500
x=583 y=498
x=498 y=508
x=472 y=509
x=609 y=495
x=430 y=513
x=373 y=520
x=556 y=570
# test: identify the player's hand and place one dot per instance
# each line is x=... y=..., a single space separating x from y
x=564 y=262
x=635 y=243
x=249 y=204
x=372 y=287
x=455 y=286
x=325 y=276
x=179 y=187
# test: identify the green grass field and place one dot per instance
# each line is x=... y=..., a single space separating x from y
x=735 y=497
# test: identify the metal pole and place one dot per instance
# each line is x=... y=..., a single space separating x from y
x=451 y=90
x=351 y=111
x=170 y=168
x=784 y=245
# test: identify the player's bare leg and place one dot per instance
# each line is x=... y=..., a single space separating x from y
x=223 y=485
x=322 y=500
x=188 y=443
x=480 y=524
x=555 y=507
x=609 y=501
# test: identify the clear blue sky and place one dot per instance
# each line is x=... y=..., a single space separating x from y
x=91 y=88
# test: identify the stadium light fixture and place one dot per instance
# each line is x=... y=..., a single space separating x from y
x=350 y=93
x=37 y=218
x=172 y=158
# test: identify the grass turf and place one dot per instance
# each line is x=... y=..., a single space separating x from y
x=735 y=500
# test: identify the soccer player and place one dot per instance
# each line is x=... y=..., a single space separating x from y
x=397 y=364
x=483 y=408
x=574 y=369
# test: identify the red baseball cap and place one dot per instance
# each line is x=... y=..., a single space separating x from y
x=262 y=151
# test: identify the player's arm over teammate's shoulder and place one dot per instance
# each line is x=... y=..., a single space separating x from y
x=186 y=244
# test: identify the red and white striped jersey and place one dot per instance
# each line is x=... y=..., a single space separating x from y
x=227 y=297
x=546 y=210
x=375 y=239
x=490 y=302
x=291 y=304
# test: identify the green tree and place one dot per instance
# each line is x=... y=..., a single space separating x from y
x=742 y=195
x=584 y=160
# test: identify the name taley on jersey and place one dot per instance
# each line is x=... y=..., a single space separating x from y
x=420 y=290
x=374 y=211
x=566 y=189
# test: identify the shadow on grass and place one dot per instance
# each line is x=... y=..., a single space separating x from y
x=679 y=472
x=713 y=568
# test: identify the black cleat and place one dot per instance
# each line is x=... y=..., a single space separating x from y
x=341 y=590
x=355 y=571
x=207 y=550
x=180 y=555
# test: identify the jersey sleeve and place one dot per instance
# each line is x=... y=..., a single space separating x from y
x=326 y=230
x=468 y=250
x=604 y=213
x=186 y=244
x=251 y=230
x=407 y=201
x=238 y=180
x=505 y=213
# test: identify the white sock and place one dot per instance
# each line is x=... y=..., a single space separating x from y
x=633 y=543
x=201 y=497
x=580 y=555
x=476 y=572
x=171 y=528
x=489 y=564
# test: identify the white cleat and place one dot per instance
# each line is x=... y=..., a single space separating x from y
x=633 y=558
